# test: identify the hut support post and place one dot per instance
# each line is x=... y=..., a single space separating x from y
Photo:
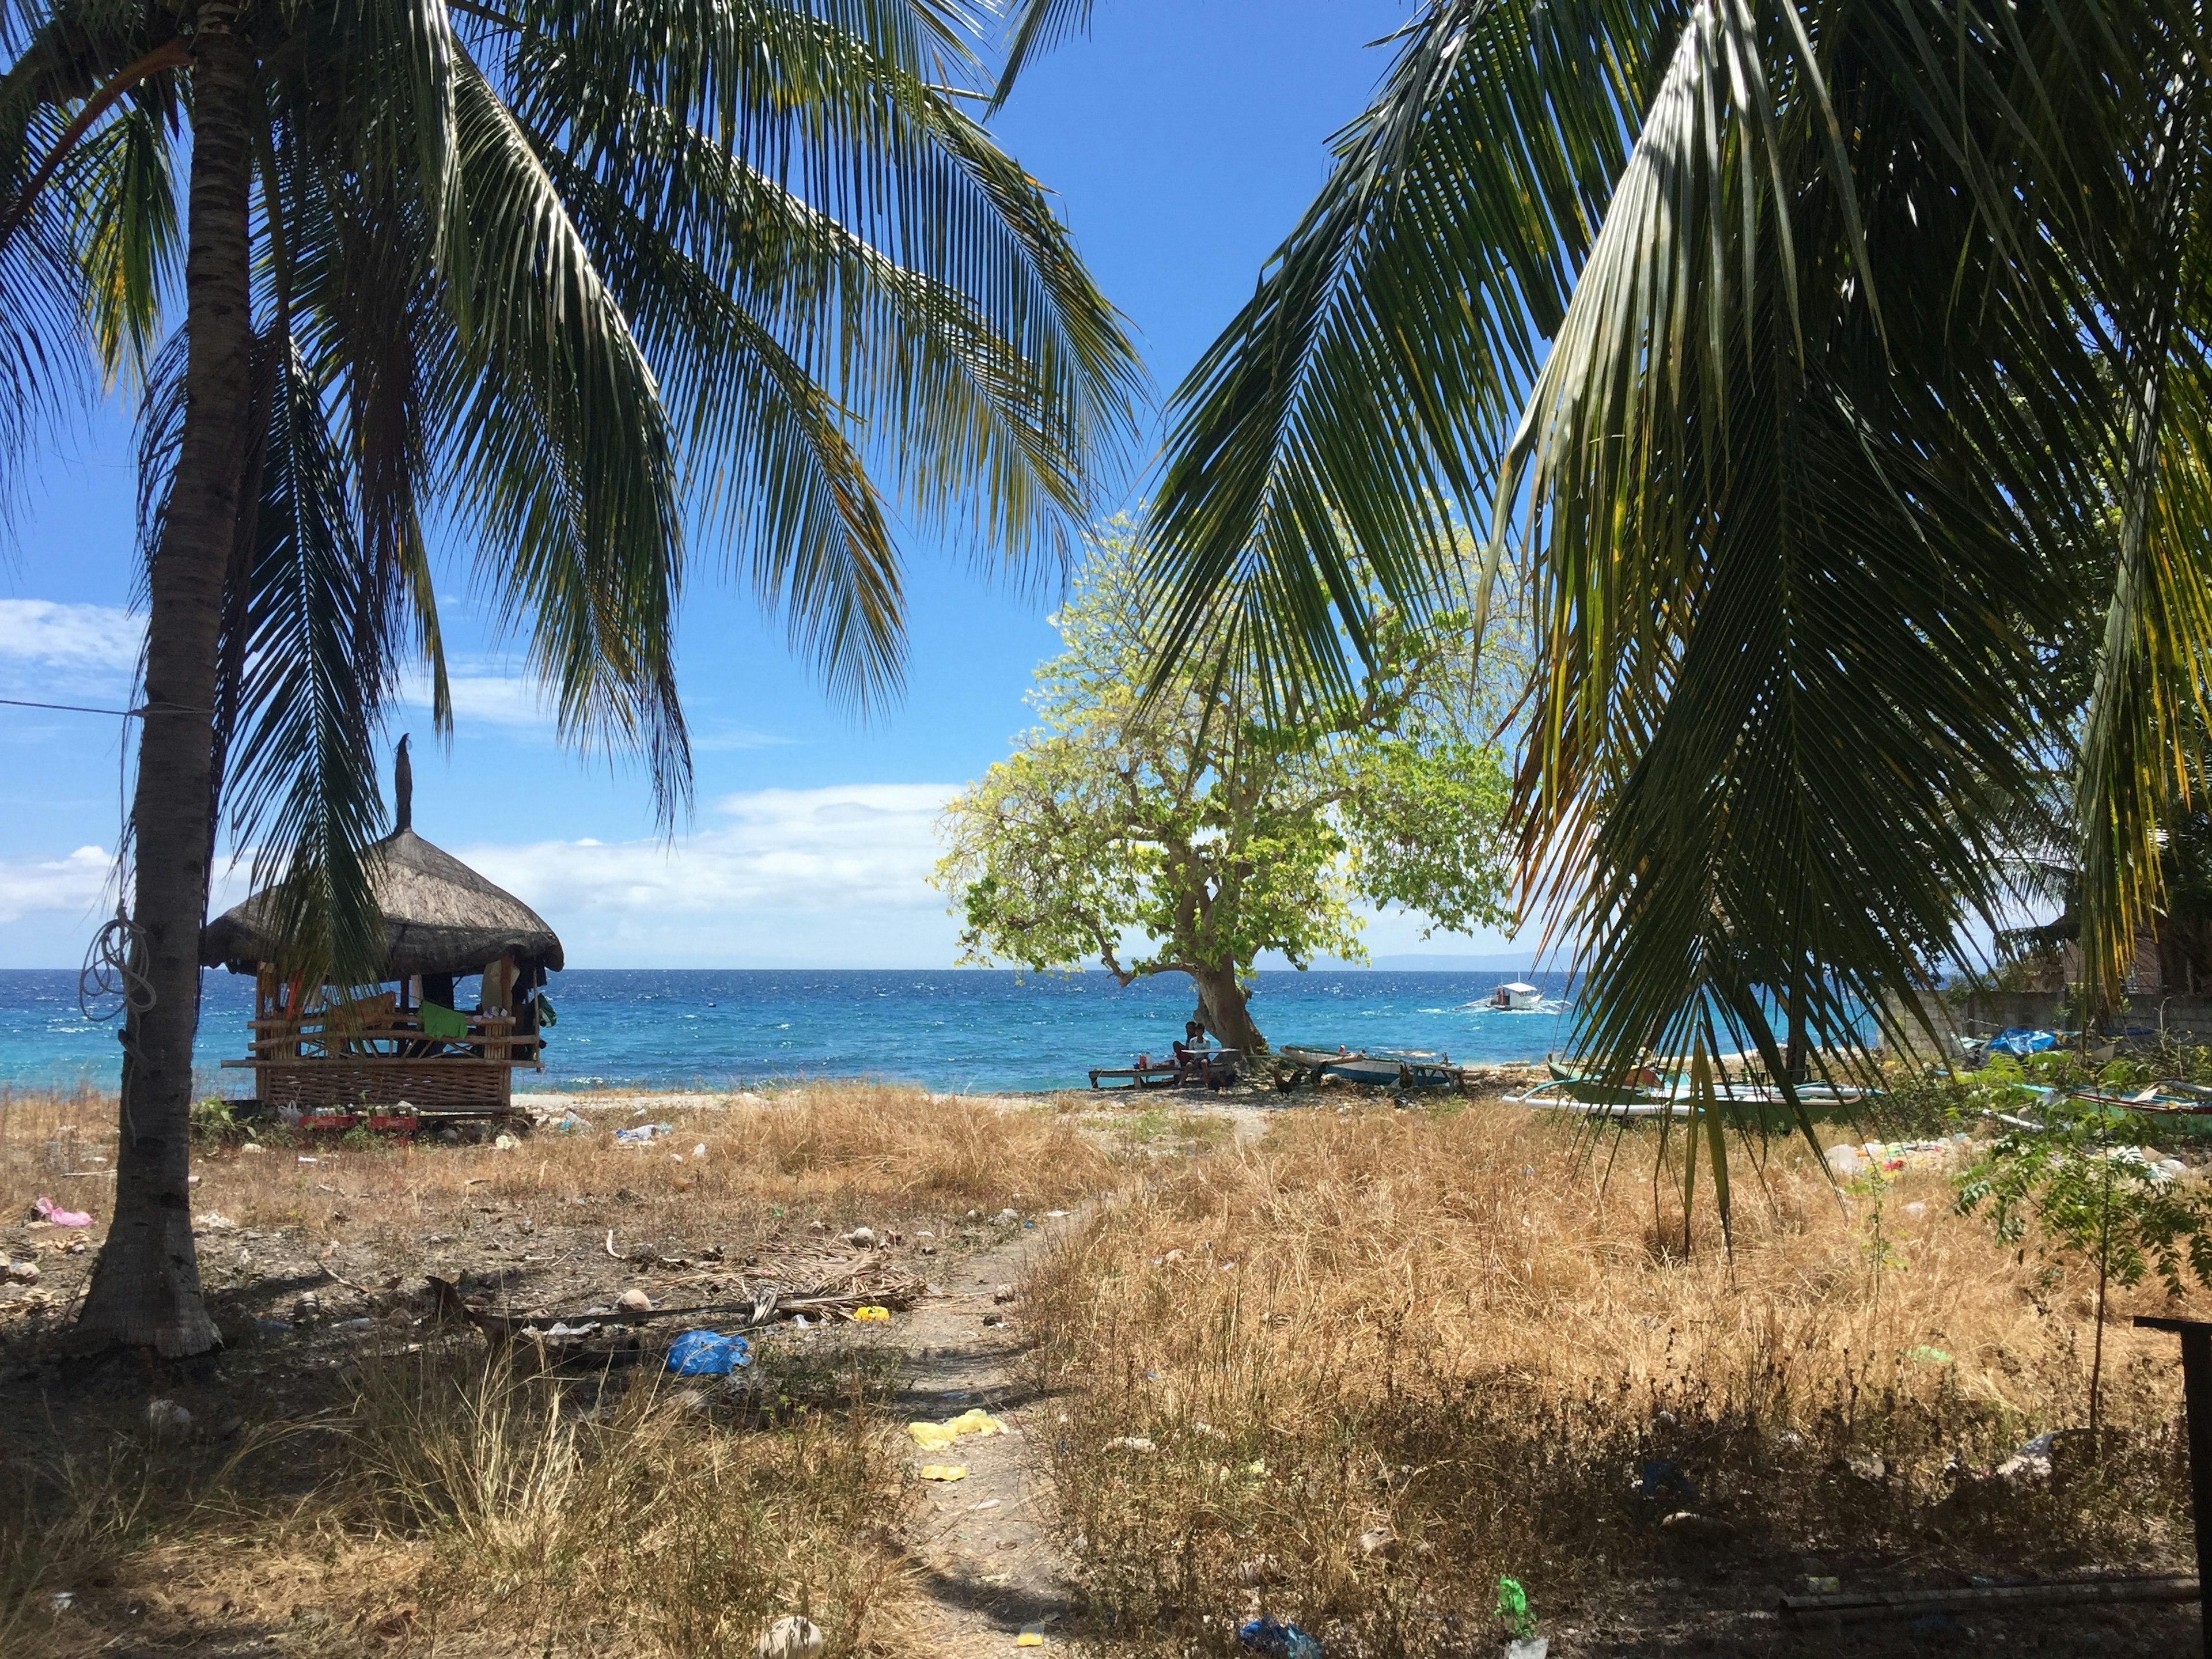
x=499 y=999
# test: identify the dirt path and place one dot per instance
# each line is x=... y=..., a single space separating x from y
x=988 y=1566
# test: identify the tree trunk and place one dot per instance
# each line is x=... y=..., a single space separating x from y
x=1222 y=1010
x=1795 y=1058
x=145 y=1290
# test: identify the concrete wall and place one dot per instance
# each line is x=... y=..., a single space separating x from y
x=2186 y=1017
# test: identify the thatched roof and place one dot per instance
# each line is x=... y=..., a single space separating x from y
x=440 y=916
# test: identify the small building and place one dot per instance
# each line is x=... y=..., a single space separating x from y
x=318 y=1048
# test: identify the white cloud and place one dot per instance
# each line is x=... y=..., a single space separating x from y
x=495 y=699
x=737 y=737
x=515 y=699
x=75 y=884
x=76 y=639
x=834 y=876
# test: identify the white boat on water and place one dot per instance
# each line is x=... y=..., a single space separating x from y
x=1517 y=997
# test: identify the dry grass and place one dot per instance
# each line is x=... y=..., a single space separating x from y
x=833 y=1149
x=442 y=1504
x=825 y=1158
x=1458 y=1328
x=426 y=1501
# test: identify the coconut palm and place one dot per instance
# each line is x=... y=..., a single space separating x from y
x=1796 y=357
x=584 y=283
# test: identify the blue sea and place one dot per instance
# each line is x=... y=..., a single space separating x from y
x=967 y=1029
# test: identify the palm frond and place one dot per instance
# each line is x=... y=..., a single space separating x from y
x=1036 y=27
x=561 y=452
x=306 y=663
x=1358 y=404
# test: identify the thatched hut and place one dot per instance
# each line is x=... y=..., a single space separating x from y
x=316 y=1047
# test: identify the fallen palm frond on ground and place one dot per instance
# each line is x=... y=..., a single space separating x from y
x=1346 y=1373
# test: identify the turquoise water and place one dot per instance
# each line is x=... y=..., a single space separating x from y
x=967 y=1029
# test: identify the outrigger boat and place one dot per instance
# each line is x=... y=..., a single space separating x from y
x=1649 y=1096
x=1380 y=1068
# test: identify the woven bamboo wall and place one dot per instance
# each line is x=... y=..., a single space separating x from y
x=434 y=1084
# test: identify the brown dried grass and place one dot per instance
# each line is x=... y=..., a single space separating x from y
x=844 y=1153
x=1475 y=1330
x=433 y=1502
x=444 y=1504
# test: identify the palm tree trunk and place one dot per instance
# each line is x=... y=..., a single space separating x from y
x=1223 y=1012
x=146 y=1289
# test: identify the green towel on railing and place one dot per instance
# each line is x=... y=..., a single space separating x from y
x=444 y=1023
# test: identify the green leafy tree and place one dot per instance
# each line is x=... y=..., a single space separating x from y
x=1793 y=349
x=1189 y=831
x=575 y=281
x=2076 y=1178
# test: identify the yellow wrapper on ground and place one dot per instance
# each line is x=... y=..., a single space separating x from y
x=1029 y=1638
x=943 y=1471
x=869 y=1314
x=936 y=1436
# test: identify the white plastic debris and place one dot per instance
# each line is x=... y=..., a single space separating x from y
x=1379 y=1543
x=2032 y=1461
x=790 y=1638
x=167 y=1418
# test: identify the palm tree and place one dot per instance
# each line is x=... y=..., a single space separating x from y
x=1793 y=355
x=586 y=280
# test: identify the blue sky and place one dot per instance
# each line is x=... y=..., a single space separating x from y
x=1184 y=138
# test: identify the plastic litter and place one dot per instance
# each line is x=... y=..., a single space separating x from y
x=707 y=1353
x=943 y=1471
x=504 y=1144
x=1661 y=1479
x=2022 y=1040
x=166 y=1416
x=1030 y=1638
x=2032 y=1460
x=790 y=1638
x=871 y=1315
x=1927 y=1355
x=47 y=1210
x=936 y=1436
x=643 y=1134
x=1513 y=1608
x=1278 y=1641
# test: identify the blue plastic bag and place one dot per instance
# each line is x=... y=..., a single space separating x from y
x=2023 y=1041
x=1278 y=1641
x=708 y=1353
